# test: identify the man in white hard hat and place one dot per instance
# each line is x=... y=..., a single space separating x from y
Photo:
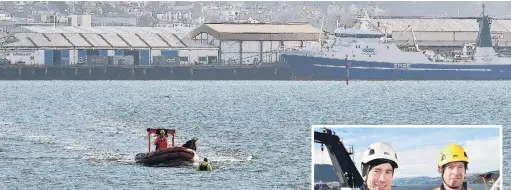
x=378 y=165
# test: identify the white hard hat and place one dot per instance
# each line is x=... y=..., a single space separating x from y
x=380 y=151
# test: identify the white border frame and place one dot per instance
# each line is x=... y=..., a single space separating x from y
x=406 y=126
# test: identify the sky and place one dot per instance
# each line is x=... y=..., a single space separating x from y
x=418 y=148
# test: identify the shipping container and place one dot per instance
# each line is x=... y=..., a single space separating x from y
x=64 y=54
x=170 y=53
x=144 y=57
x=103 y=52
x=48 y=57
x=119 y=52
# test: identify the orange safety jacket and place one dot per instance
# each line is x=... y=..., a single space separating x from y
x=161 y=143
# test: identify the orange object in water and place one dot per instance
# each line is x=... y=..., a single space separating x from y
x=166 y=153
x=163 y=143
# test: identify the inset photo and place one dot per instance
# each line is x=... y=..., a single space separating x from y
x=398 y=157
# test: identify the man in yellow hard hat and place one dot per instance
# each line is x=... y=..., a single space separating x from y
x=161 y=141
x=452 y=166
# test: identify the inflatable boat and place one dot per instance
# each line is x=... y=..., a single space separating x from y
x=172 y=155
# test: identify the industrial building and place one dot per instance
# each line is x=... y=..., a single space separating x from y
x=441 y=32
x=248 y=43
x=74 y=45
x=226 y=43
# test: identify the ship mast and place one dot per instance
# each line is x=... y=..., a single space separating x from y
x=320 y=35
x=482 y=4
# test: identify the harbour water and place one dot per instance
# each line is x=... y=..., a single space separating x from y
x=85 y=134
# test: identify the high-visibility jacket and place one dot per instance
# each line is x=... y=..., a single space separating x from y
x=204 y=166
x=161 y=143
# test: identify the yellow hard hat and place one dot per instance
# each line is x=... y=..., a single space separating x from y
x=162 y=131
x=452 y=153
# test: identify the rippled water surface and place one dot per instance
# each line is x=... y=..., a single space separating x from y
x=85 y=134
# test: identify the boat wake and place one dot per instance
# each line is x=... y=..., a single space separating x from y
x=230 y=159
x=226 y=162
x=105 y=158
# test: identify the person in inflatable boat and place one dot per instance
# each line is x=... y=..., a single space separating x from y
x=161 y=141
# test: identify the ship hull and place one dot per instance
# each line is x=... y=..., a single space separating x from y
x=320 y=68
x=168 y=156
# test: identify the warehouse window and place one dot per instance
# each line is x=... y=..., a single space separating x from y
x=203 y=58
x=183 y=58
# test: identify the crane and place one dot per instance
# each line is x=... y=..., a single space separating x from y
x=409 y=28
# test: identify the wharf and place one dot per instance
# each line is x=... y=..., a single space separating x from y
x=145 y=72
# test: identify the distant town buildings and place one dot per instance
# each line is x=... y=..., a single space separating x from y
x=80 y=20
x=177 y=16
x=114 y=20
x=172 y=14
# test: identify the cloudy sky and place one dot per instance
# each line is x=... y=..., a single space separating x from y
x=418 y=148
